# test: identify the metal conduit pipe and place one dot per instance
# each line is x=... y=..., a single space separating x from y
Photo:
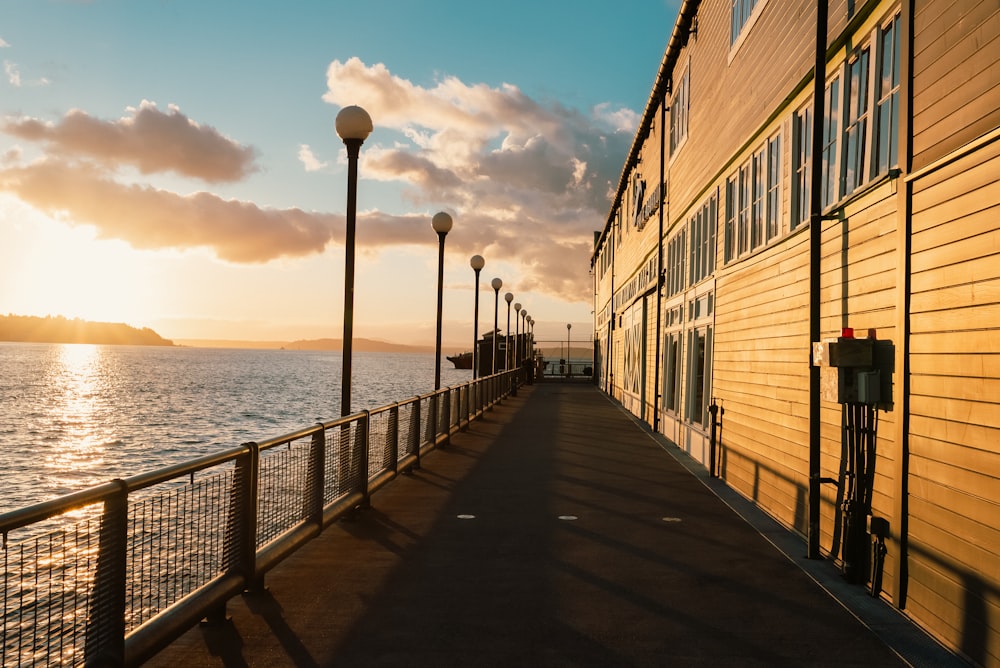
x=815 y=246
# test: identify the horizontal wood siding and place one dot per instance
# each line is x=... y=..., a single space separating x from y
x=732 y=101
x=762 y=378
x=956 y=48
x=954 y=468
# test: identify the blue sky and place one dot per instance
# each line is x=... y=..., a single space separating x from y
x=173 y=164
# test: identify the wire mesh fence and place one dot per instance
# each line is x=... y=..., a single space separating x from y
x=109 y=574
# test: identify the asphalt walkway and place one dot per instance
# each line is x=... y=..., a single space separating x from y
x=554 y=532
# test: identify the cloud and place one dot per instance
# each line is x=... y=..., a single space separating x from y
x=151 y=219
x=3 y=43
x=151 y=140
x=529 y=182
x=13 y=74
x=148 y=218
x=310 y=161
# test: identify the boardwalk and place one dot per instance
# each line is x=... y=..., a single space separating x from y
x=555 y=532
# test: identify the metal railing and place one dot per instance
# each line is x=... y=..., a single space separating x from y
x=112 y=574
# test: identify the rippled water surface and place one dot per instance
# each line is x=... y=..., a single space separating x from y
x=75 y=415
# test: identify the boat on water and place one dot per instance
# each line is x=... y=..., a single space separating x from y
x=462 y=360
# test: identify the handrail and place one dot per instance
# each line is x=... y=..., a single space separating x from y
x=133 y=563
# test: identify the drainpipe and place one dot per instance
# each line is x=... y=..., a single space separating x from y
x=659 y=270
x=815 y=245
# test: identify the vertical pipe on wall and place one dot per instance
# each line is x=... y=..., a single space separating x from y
x=659 y=270
x=815 y=246
x=900 y=510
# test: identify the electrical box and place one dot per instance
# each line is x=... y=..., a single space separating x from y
x=855 y=371
x=869 y=386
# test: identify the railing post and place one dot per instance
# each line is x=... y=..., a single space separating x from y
x=435 y=413
x=316 y=478
x=418 y=433
x=393 y=438
x=361 y=443
x=105 y=642
x=447 y=415
x=239 y=550
x=344 y=456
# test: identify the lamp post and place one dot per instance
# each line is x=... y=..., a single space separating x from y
x=517 y=316
x=524 y=331
x=442 y=225
x=569 y=368
x=506 y=356
x=477 y=263
x=353 y=125
x=531 y=344
x=497 y=284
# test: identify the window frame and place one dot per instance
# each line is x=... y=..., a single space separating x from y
x=856 y=164
x=890 y=98
x=680 y=106
x=832 y=128
x=802 y=121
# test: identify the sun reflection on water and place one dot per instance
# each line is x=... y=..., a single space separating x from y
x=80 y=449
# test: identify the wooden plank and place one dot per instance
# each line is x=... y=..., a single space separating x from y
x=939 y=601
x=924 y=347
x=973 y=455
x=979 y=369
x=980 y=293
x=962 y=168
x=925 y=423
x=983 y=245
x=965 y=388
x=986 y=316
x=955 y=274
x=983 y=413
x=972 y=225
x=962 y=197
x=954 y=475
x=968 y=519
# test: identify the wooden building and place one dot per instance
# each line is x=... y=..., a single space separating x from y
x=760 y=212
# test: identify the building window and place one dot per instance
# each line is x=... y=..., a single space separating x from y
x=679 y=112
x=759 y=179
x=856 y=122
x=699 y=375
x=730 y=232
x=702 y=232
x=753 y=202
x=801 y=157
x=773 y=186
x=887 y=110
x=671 y=371
x=831 y=142
x=743 y=213
x=739 y=17
x=675 y=263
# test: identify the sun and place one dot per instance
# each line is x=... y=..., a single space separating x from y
x=54 y=269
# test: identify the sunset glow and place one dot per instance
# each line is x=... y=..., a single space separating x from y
x=208 y=202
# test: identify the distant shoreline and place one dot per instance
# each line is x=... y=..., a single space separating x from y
x=333 y=345
x=59 y=329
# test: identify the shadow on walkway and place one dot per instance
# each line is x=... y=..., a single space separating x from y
x=555 y=532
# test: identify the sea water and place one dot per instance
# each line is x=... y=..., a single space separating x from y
x=75 y=415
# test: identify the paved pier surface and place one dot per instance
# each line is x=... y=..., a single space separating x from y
x=554 y=532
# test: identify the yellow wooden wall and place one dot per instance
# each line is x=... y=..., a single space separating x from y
x=954 y=465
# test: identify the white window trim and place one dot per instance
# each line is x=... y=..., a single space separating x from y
x=745 y=31
x=685 y=87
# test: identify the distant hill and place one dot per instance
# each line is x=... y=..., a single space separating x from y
x=360 y=345
x=57 y=329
